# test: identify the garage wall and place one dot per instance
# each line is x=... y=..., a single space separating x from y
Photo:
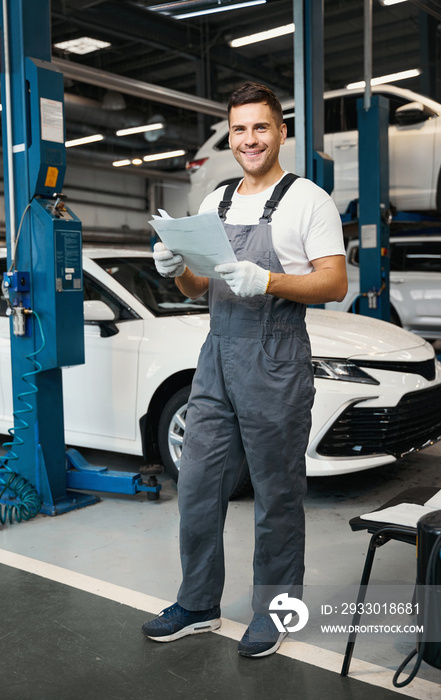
x=175 y=198
x=104 y=200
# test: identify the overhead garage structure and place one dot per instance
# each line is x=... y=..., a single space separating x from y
x=155 y=68
x=148 y=42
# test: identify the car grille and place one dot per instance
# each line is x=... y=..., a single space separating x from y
x=408 y=426
x=426 y=369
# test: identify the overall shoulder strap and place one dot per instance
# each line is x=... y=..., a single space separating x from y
x=279 y=191
x=225 y=204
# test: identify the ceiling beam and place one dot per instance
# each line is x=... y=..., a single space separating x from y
x=137 y=88
x=430 y=6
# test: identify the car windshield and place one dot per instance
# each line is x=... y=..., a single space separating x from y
x=159 y=294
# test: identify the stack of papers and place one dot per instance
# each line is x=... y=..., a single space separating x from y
x=200 y=239
x=406 y=514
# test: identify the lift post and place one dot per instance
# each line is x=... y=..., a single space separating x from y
x=373 y=178
x=311 y=161
x=44 y=282
x=374 y=213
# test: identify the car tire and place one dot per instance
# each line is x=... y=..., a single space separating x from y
x=171 y=434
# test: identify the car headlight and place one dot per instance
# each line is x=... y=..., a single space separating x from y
x=343 y=370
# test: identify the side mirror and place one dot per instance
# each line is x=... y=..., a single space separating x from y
x=98 y=311
x=412 y=113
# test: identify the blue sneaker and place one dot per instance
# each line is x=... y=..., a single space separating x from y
x=261 y=638
x=175 y=622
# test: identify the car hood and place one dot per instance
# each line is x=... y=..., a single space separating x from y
x=342 y=335
x=339 y=334
x=200 y=321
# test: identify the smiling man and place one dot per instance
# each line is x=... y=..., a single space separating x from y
x=256 y=135
x=253 y=389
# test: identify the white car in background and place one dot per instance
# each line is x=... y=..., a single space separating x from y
x=378 y=386
x=414 y=283
x=414 y=150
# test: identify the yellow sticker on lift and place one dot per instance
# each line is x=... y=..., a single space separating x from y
x=51 y=177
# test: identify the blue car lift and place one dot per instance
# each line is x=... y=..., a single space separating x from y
x=83 y=476
x=44 y=282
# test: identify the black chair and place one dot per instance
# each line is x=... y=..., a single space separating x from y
x=382 y=532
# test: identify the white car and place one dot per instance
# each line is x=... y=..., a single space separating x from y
x=414 y=150
x=378 y=386
x=415 y=282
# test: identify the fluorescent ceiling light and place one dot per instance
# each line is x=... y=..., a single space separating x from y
x=391 y=2
x=148 y=159
x=82 y=45
x=218 y=8
x=161 y=156
x=140 y=129
x=119 y=163
x=391 y=78
x=82 y=141
x=262 y=36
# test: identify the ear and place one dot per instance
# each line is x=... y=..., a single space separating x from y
x=283 y=134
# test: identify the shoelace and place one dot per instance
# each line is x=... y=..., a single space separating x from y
x=169 y=612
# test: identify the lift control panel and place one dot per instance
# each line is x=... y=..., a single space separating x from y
x=58 y=281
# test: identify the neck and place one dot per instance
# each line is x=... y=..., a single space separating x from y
x=255 y=184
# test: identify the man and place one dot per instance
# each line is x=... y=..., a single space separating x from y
x=253 y=387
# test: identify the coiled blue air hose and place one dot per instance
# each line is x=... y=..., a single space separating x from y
x=28 y=503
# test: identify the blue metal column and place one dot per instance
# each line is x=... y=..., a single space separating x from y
x=311 y=161
x=374 y=214
x=34 y=164
x=374 y=208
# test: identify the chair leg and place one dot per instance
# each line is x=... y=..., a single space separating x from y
x=377 y=540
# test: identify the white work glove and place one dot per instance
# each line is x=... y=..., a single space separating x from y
x=246 y=279
x=167 y=263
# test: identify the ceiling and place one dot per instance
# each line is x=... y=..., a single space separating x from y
x=192 y=56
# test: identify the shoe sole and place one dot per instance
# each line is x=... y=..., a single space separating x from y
x=267 y=652
x=197 y=628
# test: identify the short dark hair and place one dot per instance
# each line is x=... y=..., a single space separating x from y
x=250 y=93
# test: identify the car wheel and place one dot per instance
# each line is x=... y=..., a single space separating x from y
x=171 y=435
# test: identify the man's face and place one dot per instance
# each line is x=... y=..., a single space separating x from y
x=255 y=138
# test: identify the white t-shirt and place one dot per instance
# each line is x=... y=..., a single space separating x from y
x=305 y=226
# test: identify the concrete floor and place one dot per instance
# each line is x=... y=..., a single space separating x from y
x=62 y=642
x=131 y=542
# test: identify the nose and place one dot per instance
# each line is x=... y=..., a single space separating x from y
x=250 y=138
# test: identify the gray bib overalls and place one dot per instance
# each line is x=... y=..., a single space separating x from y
x=252 y=392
